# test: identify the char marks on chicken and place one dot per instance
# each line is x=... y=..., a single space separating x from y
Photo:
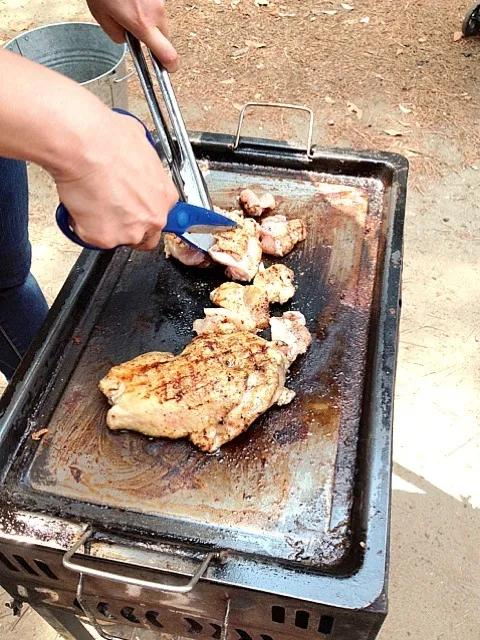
x=210 y=393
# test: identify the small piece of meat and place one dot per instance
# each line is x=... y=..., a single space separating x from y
x=286 y=397
x=252 y=227
x=239 y=251
x=210 y=393
x=276 y=281
x=249 y=302
x=279 y=235
x=223 y=321
x=290 y=329
x=255 y=206
x=176 y=248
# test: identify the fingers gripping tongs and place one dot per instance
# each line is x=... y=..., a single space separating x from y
x=192 y=218
x=176 y=154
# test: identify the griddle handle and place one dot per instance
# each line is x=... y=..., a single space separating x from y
x=277 y=105
x=68 y=563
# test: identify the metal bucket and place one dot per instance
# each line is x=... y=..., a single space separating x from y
x=82 y=52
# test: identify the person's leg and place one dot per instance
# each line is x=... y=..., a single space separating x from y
x=22 y=304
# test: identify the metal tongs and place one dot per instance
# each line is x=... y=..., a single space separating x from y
x=177 y=155
x=192 y=218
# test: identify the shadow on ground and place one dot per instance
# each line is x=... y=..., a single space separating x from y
x=433 y=558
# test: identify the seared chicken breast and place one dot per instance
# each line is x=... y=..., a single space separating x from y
x=210 y=393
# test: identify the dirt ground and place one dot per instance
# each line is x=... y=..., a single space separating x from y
x=378 y=74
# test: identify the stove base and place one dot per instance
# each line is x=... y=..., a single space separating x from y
x=35 y=575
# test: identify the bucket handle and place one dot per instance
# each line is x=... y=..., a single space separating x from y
x=123 y=78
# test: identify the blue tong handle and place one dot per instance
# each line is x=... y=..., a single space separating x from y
x=180 y=218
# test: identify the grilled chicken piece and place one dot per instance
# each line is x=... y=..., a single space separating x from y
x=176 y=248
x=239 y=251
x=279 y=235
x=252 y=227
x=234 y=214
x=290 y=334
x=210 y=393
x=249 y=302
x=223 y=321
x=255 y=206
x=276 y=281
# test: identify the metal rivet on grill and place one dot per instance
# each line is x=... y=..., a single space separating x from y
x=278 y=614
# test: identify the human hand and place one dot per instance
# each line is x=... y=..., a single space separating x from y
x=117 y=192
x=146 y=19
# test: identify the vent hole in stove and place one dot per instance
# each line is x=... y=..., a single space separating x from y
x=195 y=627
x=152 y=617
x=24 y=564
x=243 y=635
x=278 y=614
x=76 y=604
x=127 y=613
x=6 y=563
x=264 y=637
x=217 y=631
x=301 y=619
x=44 y=568
x=326 y=625
x=104 y=610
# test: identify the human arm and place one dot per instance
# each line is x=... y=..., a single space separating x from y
x=107 y=174
x=146 y=19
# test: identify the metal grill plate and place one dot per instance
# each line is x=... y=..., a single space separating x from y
x=285 y=488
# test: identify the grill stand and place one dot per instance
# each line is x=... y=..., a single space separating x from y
x=32 y=571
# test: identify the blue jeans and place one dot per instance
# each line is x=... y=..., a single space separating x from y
x=22 y=304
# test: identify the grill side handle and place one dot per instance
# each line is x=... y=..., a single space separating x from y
x=277 y=105
x=70 y=564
